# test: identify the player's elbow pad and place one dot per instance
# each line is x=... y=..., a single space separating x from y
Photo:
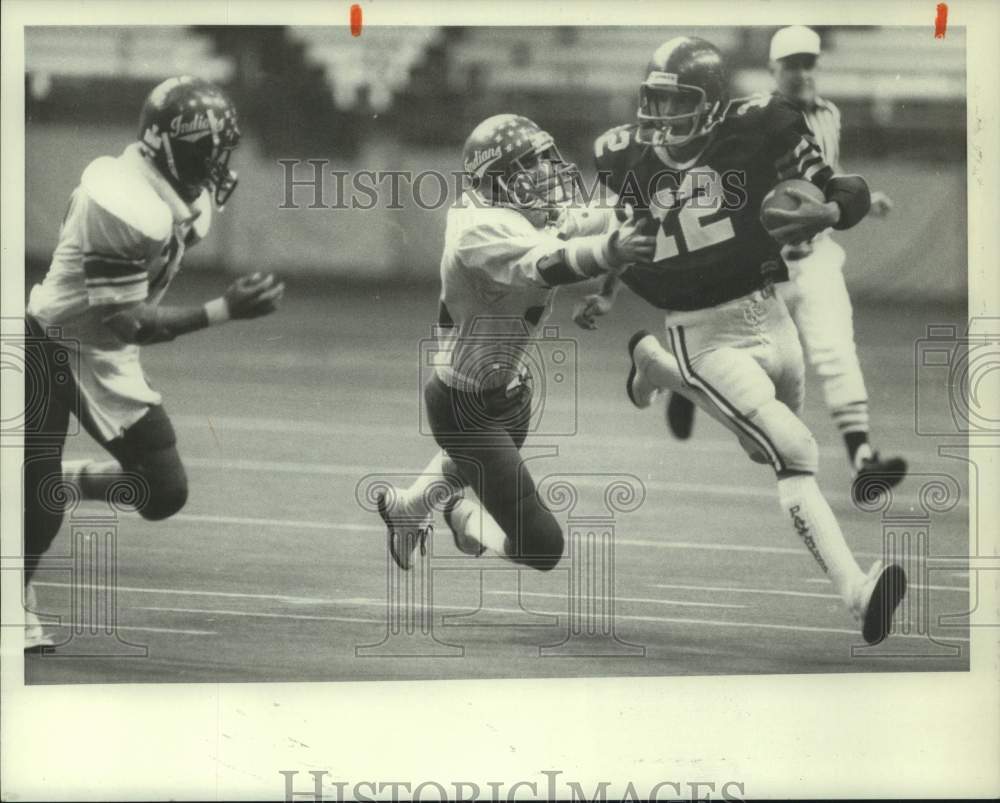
x=140 y=326
x=852 y=195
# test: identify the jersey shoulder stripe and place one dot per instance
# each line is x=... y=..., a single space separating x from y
x=121 y=193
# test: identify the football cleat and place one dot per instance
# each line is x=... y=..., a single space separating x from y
x=404 y=534
x=874 y=475
x=877 y=599
x=464 y=543
x=34 y=633
x=638 y=391
x=680 y=416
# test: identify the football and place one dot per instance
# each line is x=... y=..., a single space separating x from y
x=778 y=198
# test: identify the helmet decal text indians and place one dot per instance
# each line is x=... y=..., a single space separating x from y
x=190 y=130
x=482 y=158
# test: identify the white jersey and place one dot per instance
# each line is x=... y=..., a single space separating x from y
x=499 y=273
x=121 y=242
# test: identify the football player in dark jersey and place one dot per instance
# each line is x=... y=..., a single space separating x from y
x=816 y=294
x=698 y=166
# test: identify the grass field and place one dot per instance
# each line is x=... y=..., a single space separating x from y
x=275 y=572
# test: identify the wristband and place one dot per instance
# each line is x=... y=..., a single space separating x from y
x=610 y=251
x=217 y=311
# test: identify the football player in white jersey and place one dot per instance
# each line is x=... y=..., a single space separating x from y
x=511 y=241
x=120 y=245
x=816 y=294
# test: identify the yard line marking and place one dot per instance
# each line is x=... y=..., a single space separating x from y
x=196 y=593
x=358 y=471
x=736 y=589
x=716 y=547
x=772 y=626
x=655 y=600
x=631 y=617
x=257 y=615
x=259 y=522
x=722 y=445
x=86 y=625
x=628 y=542
x=381 y=603
x=908 y=584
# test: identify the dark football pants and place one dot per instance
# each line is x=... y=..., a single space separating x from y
x=154 y=481
x=483 y=433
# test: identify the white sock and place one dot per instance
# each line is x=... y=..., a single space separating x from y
x=864 y=452
x=814 y=522
x=91 y=478
x=438 y=483
x=72 y=471
x=472 y=520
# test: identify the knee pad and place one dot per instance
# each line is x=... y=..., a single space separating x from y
x=165 y=502
x=149 y=448
x=46 y=496
x=542 y=538
x=168 y=487
x=152 y=433
x=793 y=445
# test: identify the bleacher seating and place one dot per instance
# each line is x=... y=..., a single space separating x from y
x=598 y=59
x=145 y=53
x=378 y=63
x=891 y=63
x=886 y=65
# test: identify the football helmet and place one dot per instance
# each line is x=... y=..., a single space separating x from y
x=188 y=128
x=512 y=162
x=685 y=94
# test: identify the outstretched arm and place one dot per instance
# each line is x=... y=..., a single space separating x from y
x=595 y=305
x=247 y=297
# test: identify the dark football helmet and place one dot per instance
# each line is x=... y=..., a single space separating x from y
x=685 y=94
x=188 y=128
x=513 y=162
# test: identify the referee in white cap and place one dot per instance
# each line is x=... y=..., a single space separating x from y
x=816 y=294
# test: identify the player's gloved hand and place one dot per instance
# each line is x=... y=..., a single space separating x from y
x=253 y=296
x=881 y=205
x=801 y=224
x=630 y=244
x=586 y=312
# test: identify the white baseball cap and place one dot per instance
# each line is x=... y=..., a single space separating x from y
x=793 y=40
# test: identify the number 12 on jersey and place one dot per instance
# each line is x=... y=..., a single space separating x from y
x=686 y=229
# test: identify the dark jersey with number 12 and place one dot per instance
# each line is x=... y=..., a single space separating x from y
x=710 y=244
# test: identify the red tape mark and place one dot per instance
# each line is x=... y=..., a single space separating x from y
x=355 y=20
x=941 y=21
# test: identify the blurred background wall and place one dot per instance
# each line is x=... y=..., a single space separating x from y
x=404 y=98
